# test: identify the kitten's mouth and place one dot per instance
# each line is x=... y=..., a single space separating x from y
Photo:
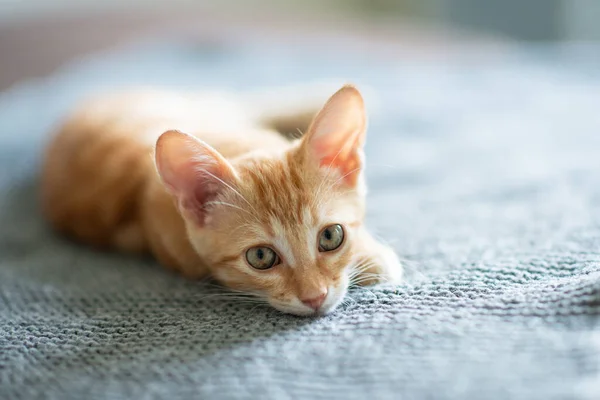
x=307 y=313
x=329 y=306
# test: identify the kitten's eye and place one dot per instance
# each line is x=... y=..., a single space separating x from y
x=331 y=238
x=262 y=257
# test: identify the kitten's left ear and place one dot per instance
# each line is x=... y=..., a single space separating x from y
x=336 y=136
x=192 y=171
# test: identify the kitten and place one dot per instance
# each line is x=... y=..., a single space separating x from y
x=278 y=218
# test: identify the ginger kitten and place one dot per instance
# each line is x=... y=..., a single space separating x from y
x=280 y=219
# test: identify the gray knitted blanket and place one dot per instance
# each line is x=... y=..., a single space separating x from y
x=484 y=175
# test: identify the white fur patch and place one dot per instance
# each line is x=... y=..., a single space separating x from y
x=295 y=306
x=341 y=214
x=311 y=234
x=281 y=243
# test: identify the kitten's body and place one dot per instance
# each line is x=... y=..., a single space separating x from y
x=100 y=184
x=244 y=184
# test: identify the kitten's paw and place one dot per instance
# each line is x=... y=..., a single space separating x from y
x=385 y=267
x=391 y=268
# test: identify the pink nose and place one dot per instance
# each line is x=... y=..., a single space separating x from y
x=316 y=302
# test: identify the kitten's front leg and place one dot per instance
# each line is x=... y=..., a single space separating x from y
x=376 y=262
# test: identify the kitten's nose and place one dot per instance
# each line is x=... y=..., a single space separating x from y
x=316 y=302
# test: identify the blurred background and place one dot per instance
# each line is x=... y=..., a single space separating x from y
x=37 y=36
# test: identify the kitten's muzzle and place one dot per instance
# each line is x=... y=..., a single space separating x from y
x=315 y=302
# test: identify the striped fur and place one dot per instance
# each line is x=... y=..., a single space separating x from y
x=229 y=185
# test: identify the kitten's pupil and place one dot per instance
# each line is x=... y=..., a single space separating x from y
x=262 y=257
x=331 y=238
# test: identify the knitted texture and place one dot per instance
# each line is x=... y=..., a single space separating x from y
x=484 y=176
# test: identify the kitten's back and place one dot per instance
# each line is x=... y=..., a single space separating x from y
x=94 y=173
x=98 y=167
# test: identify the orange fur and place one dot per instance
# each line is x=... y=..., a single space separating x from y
x=118 y=176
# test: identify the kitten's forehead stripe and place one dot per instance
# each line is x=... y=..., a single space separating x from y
x=311 y=240
x=279 y=240
x=281 y=192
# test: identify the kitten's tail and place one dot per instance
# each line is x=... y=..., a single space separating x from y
x=290 y=109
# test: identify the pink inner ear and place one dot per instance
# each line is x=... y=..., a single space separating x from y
x=204 y=191
x=348 y=164
x=202 y=187
x=341 y=151
x=336 y=135
x=192 y=171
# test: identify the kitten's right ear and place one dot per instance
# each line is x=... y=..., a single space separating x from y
x=192 y=171
x=336 y=136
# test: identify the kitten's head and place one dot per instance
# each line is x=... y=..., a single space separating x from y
x=282 y=227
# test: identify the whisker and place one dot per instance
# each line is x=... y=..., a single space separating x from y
x=229 y=294
x=326 y=189
x=345 y=175
x=327 y=175
x=237 y=298
x=222 y=203
x=361 y=282
x=359 y=275
x=346 y=302
x=356 y=275
x=363 y=278
x=257 y=306
x=368 y=276
x=232 y=189
x=362 y=288
x=361 y=267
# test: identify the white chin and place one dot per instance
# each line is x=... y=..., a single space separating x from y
x=288 y=308
x=297 y=308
